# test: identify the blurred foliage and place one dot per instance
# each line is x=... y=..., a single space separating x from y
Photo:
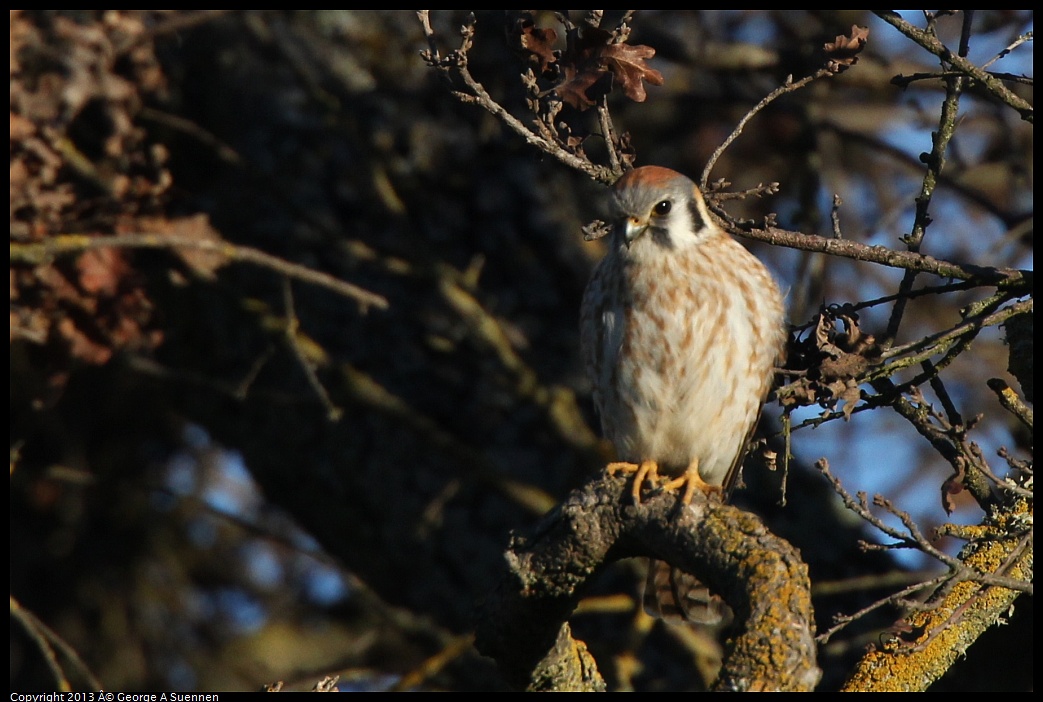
x=388 y=453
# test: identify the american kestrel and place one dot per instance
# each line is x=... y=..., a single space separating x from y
x=681 y=328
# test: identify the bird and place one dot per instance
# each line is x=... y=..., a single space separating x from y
x=681 y=328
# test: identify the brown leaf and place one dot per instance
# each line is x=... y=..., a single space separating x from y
x=850 y=397
x=627 y=64
x=843 y=52
x=836 y=362
x=536 y=43
x=952 y=486
x=80 y=345
x=596 y=230
x=573 y=90
x=592 y=55
x=101 y=271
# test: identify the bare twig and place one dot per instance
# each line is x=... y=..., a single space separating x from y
x=966 y=580
x=834 y=216
x=1013 y=484
x=788 y=87
x=841 y=621
x=904 y=81
x=1027 y=36
x=935 y=162
x=761 y=189
x=608 y=132
x=456 y=63
x=47 y=640
x=292 y=334
x=931 y=43
x=930 y=640
x=974 y=324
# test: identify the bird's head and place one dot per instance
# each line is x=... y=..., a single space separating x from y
x=655 y=206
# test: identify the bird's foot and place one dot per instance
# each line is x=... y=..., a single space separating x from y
x=644 y=471
x=692 y=481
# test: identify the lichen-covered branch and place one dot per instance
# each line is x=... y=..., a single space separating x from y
x=931 y=640
x=523 y=624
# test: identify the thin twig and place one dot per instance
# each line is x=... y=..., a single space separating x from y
x=609 y=134
x=760 y=190
x=911 y=537
x=935 y=162
x=1027 y=36
x=972 y=324
x=47 y=640
x=841 y=621
x=457 y=62
x=834 y=216
x=931 y=43
x=849 y=307
x=292 y=336
x=788 y=87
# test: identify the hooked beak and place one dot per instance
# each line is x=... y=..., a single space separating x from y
x=633 y=228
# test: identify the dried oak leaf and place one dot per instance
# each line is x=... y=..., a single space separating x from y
x=592 y=56
x=626 y=150
x=627 y=64
x=835 y=362
x=843 y=52
x=574 y=88
x=952 y=487
x=80 y=345
x=536 y=43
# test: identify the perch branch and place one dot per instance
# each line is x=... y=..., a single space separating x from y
x=523 y=625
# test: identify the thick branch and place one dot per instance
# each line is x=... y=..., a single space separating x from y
x=524 y=626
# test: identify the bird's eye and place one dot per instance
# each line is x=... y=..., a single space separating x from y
x=662 y=208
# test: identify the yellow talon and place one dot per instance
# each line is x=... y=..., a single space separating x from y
x=692 y=481
x=647 y=470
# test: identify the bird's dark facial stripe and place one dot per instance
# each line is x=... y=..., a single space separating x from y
x=660 y=237
x=697 y=218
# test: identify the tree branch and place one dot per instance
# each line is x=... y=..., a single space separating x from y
x=40 y=252
x=457 y=61
x=524 y=625
x=845 y=248
x=931 y=43
x=931 y=640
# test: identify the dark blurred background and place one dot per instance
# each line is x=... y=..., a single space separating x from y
x=221 y=478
